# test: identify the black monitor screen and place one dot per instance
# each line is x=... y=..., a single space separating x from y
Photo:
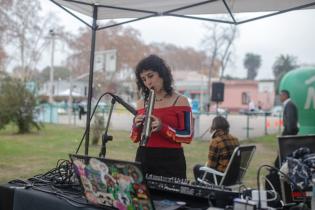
x=288 y=144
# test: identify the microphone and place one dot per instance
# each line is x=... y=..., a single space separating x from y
x=124 y=104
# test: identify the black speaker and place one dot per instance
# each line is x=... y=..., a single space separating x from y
x=217 y=92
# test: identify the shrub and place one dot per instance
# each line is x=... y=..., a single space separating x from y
x=17 y=105
x=98 y=128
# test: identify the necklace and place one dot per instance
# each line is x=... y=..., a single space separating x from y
x=160 y=99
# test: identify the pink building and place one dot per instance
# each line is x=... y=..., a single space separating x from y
x=238 y=94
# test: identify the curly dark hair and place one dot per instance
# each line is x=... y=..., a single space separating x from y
x=156 y=64
x=220 y=123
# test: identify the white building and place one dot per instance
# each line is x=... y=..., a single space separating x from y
x=62 y=88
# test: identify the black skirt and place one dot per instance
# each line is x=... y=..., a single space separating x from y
x=167 y=162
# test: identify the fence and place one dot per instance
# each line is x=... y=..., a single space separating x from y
x=243 y=126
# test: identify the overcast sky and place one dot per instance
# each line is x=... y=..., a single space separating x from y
x=291 y=33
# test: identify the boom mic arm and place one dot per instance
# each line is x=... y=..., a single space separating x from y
x=146 y=131
x=124 y=104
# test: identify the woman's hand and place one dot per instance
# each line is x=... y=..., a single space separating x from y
x=156 y=124
x=138 y=120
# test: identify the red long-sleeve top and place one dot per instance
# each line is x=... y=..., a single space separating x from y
x=177 y=127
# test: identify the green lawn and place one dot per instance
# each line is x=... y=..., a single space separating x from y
x=23 y=156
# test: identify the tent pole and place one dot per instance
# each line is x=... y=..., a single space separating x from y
x=90 y=90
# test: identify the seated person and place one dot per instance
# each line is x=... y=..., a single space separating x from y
x=221 y=148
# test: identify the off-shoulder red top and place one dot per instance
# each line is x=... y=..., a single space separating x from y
x=177 y=127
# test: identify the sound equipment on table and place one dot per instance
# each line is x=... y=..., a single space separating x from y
x=188 y=188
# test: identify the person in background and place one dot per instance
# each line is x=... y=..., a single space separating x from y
x=221 y=147
x=251 y=106
x=290 y=124
x=163 y=154
x=290 y=114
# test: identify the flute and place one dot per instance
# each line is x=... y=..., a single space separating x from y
x=146 y=131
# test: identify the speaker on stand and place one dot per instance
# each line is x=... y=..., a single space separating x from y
x=217 y=94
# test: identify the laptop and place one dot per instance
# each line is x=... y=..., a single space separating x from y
x=117 y=184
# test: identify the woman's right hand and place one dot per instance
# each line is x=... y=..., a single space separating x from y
x=138 y=120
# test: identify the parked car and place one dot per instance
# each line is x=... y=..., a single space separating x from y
x=222 y=111
x=254 y=112
x=219 y=110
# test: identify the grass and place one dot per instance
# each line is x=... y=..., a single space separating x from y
x=23 y=156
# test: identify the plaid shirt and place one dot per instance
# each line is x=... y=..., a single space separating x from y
x=220 y=150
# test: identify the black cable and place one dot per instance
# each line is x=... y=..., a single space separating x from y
x=56 y=178
x=65 y=172
x=42 y=182
x=273 y=189
x=18 y=182
x=68 y=199
x=64 y=191
x=39 y=181
x=106 y=93
x=286 y=176
x=59 y=176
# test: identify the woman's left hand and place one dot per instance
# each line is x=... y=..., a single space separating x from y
x=156 y=124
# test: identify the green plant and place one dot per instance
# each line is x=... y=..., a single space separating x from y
x=17 y=105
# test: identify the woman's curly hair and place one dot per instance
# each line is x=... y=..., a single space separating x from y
x=156 y=64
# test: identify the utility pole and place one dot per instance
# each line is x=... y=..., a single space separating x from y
x=51 y=75
x=70 y=99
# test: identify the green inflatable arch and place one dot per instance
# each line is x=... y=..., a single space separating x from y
x=301 y=85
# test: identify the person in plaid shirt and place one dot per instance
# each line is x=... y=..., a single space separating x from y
x=222 y=145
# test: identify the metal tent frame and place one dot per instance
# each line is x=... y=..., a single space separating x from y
x=92 y=7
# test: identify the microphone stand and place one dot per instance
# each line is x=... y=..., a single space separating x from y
x=105 y=137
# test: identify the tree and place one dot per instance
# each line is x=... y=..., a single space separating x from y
x=217 y=43
x=252 y=63
x=129 y=50
x=126 y=40
x=3 y=57
x=229 y=77
x=181 y=58
x=26 y=34
x=282 y=65
x=17 y=105
x=59 y=72
x=4 y=5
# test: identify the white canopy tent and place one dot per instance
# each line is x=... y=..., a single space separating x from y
x=99 y=10
x=116 y=9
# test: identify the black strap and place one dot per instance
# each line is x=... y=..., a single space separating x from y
x=176 y=100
